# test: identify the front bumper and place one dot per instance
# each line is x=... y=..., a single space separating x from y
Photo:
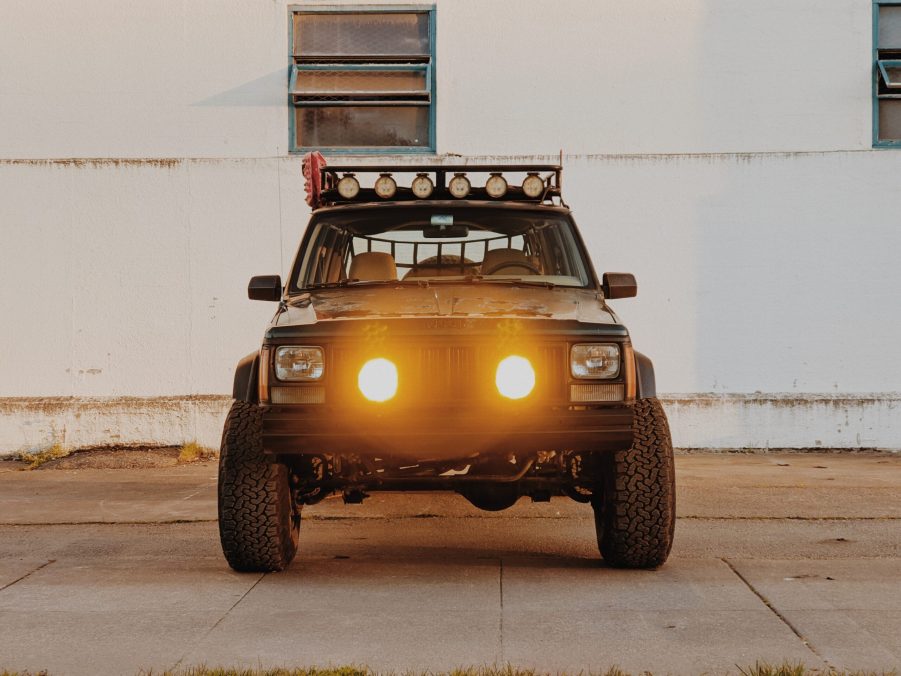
x=436 y=434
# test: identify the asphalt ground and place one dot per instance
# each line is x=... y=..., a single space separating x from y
x=777 y=557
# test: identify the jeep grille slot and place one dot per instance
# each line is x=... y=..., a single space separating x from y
x=451 y=375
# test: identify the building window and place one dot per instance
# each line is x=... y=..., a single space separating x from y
x=363 y=80
x=887 y=73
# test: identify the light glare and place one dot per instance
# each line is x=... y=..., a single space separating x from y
x=378 y=380
x=515 y=377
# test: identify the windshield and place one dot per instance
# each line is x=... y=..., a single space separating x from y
x=426 y=245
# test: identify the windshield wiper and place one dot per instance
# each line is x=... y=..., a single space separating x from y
x=354 y=282
x=515 y=281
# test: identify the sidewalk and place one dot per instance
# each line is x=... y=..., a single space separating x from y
x=788 y=556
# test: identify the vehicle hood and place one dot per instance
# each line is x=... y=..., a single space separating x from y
x=472 y=301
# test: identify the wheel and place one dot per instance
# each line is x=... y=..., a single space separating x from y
x=635 y=515
x=258 y=524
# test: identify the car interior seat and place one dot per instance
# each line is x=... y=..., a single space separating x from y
x=450 y=265
x=373 y=266
x=508 y=262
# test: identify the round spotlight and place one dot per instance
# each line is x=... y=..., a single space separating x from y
x=378 y=380
x=385 y=186
x=459 y=186
x=533 y=186
x=422 y=186
x=348 y=187
x=515 y=377
x=496 y=186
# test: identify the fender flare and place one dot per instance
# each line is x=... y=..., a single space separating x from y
x=644 y=372
x=246 y=375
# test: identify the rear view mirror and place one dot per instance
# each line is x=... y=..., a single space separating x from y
x=445 y=231
x=619 y=285
x=265 y=287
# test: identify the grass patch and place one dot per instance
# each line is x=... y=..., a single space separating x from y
x=193 y=452
x=759 y=669
x=36 y=459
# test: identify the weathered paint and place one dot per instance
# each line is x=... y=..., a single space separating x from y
x=864 y=421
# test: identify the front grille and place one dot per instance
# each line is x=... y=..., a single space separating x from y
x=448 y=375
x=589 y=392
x=298 y=394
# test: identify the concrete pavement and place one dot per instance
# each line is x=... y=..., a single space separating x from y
x=777 y=557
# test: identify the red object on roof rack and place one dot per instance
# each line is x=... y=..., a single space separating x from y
x=313 y=163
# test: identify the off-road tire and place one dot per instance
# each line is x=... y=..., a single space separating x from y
x=258 y=526
x=635 y=514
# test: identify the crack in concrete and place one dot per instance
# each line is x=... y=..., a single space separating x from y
x=219 y=621
x=169 y=522
x=775 y=611
x=501 y=620
x=28 y=574
x=692 y=517
x=312 y=517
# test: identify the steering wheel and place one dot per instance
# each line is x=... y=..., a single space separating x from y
x=513 y=264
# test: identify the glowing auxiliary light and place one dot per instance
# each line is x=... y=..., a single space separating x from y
x=459 y=186
x=378 y=380
x=348 y=187
x=496 y=186
x=515 y=377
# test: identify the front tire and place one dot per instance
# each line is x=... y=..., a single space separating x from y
x=258 y=524
x=635 y=515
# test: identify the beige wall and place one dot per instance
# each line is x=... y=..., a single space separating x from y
x=719 y=150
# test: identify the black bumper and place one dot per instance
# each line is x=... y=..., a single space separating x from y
x=445 y=434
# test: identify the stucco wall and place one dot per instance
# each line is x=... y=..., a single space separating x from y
x=719 y=150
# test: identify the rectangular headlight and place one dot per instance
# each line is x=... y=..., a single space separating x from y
x=302 y=362
x=594 y=361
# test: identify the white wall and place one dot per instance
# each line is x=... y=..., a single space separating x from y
x=205 y=78
x=718 y=149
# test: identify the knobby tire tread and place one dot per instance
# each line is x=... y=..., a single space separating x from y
x=257 y=525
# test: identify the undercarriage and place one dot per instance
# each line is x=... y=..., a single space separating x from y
x=491 y=482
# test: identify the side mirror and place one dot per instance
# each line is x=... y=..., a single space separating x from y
x=619 y=285
x=265 y=287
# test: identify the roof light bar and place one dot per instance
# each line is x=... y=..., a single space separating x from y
x=340 y=184
x=385 y=186
x=496 y=185
x=533 y=186
x=348 y=187
x=422 y=186
x=459 y=186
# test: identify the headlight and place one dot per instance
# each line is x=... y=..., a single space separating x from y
x=299 y=363
x=496 y=186
x=378 y=380
x=385 y=186
x=515 y=377
x=533 y=186
x=594 y=361
x=459 y=186
x=348 y=187
x=422 y=186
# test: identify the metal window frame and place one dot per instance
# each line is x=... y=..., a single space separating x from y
x=426 y=68
x=878 y=71
x=889 y=63
x=294 y=68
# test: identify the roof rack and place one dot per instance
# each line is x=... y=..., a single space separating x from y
x=441 y=177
